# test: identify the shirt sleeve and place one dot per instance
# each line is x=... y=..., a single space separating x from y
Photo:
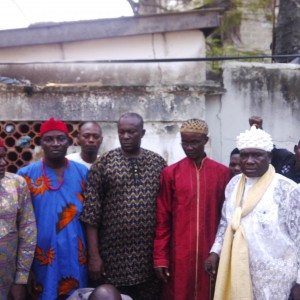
x=226 y=214
x=26 y=233
x=163 y=222
x=93 y=193
x=293 y=223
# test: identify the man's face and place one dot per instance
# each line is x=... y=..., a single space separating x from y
x=55 y=144
x=234 y=164
x=193 y=144
x=254 y=162
x=3 y=162
x=130 y=133
x=90 y=138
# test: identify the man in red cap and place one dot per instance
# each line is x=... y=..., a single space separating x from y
x=17 y=232
x=56 y=184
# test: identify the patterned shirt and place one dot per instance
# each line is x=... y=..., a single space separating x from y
x=288 y=169
x=17 y=232
x=60 y=258
x=120 y=198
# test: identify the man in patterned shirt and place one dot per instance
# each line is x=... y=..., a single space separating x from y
x=119 y=212
x=17 y=233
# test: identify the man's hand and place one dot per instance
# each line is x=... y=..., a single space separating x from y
x=162 y=273
x=211 y=264
x=257 y=121
x=32 y=284
x=18 y=291
x=296 y=292
x=96 y=267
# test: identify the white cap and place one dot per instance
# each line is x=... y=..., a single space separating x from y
x=254 y=138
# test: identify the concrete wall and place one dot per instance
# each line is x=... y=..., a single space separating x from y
x=271 y=91
x=256 y=30
x=165 y=94
x=163 y=109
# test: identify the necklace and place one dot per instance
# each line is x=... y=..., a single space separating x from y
x=46 y=179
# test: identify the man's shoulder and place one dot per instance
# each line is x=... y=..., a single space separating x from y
x=281 y=152
x=107 y=159
x=235 y=180
x=79 y=166
x=208 y=162
x=109 y=155
x=183 y=163
x=32 y=166
x=285 y=180
x=152 y=154
x=280 y=157
x=15 y=177
x=74 y=155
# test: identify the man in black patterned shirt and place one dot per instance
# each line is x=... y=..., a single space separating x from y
x=119 y=213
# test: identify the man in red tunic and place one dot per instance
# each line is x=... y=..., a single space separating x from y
x=188 y=212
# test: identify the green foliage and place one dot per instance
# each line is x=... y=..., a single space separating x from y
x=231 y=19
x=215 y=48
x=225 y=40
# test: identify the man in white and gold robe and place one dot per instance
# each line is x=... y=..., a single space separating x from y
x=258 y=239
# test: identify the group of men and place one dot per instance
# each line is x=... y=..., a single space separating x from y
x=152 y=231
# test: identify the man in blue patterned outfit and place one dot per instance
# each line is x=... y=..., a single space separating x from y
x=119 y=212
x=56 y=186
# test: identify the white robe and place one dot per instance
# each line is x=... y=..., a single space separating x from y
x=272 y=231
x=76 y=157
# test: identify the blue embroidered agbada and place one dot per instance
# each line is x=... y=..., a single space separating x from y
x=60 y=257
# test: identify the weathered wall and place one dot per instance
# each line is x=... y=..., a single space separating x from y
x=165 y=94
x=271 y=91
x=256 y=30
x=163 y=110
x=268 y=90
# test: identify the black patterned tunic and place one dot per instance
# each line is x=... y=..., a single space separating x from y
x=120 y=198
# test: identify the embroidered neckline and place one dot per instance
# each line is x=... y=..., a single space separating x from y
x=46 y=178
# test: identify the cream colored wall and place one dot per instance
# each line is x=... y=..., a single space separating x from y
x=185 y=44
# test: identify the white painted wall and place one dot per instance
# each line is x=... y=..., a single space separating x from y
x=181 y=44
x=271 y=91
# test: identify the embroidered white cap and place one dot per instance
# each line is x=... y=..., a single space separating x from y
x=254 y=138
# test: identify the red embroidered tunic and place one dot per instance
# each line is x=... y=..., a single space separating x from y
x=188 y=212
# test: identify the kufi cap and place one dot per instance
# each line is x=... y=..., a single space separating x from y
x=194 y=125
x=53 y=124
x=1 y=144
x=254 y=138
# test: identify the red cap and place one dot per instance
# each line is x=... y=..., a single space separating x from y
x=1 y=144
x=53 y=124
